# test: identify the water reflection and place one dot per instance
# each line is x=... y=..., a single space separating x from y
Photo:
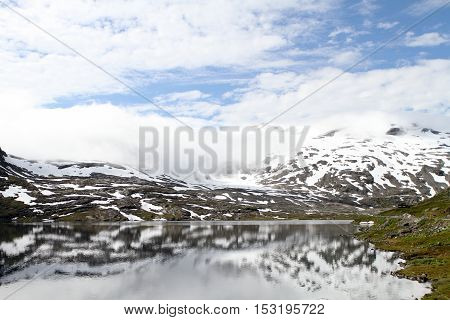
x=196 y=260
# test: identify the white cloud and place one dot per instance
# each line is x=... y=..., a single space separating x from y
x=366 y=7
x=201 y=110
x=102 y=132
x=346 y=58
x=421 y=88
x=345 y=30
x=387 y=25
x=349 y=34
x=149 y=37
x=341 y=30
x=421 y=7
x=272 y=82
x=425 y=40
x=184 y=104
x=365 y=101
x=183 y=96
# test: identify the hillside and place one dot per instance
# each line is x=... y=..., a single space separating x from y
x=344 y=175
x=421 y=233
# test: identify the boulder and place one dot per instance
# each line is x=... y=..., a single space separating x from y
x=395 y=131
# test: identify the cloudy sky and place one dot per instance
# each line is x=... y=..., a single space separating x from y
x=219 y=62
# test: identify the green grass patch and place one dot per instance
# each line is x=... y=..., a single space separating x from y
x=421 y=233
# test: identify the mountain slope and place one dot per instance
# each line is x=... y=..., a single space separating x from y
x=403 y=166
x=62 y=191
x=344 y=175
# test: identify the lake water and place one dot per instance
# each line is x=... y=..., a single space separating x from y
x=268 y=260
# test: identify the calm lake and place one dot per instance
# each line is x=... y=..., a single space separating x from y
x=262 y=260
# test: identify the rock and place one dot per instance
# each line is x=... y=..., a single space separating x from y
x=430 y=130
x=384 y=225
x=409 y=219
x=328 y=134
x=395 y=131
x=422 y=278
x=405 y=231
x=403 y=205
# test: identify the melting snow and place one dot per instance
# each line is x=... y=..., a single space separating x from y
x=46 y=192
x=74 y=169
x=193 y=214
x=19 y=193
x=149 y=207
x=130 y=217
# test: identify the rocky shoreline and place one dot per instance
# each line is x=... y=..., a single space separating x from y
x=421 y=234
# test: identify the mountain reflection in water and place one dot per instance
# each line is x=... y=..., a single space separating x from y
x=196 y=261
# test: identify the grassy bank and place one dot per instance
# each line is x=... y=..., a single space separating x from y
x=421 y=233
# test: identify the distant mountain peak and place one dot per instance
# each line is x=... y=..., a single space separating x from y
x=2 y=153
x=395 y=131
x=330 y=133
x=430 y=130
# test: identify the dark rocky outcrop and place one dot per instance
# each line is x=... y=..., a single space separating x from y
x=395 y=131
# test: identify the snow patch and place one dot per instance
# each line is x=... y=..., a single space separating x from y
x=19 y=193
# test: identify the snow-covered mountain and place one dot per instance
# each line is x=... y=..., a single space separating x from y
x=406 y=164
x=344 y=174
